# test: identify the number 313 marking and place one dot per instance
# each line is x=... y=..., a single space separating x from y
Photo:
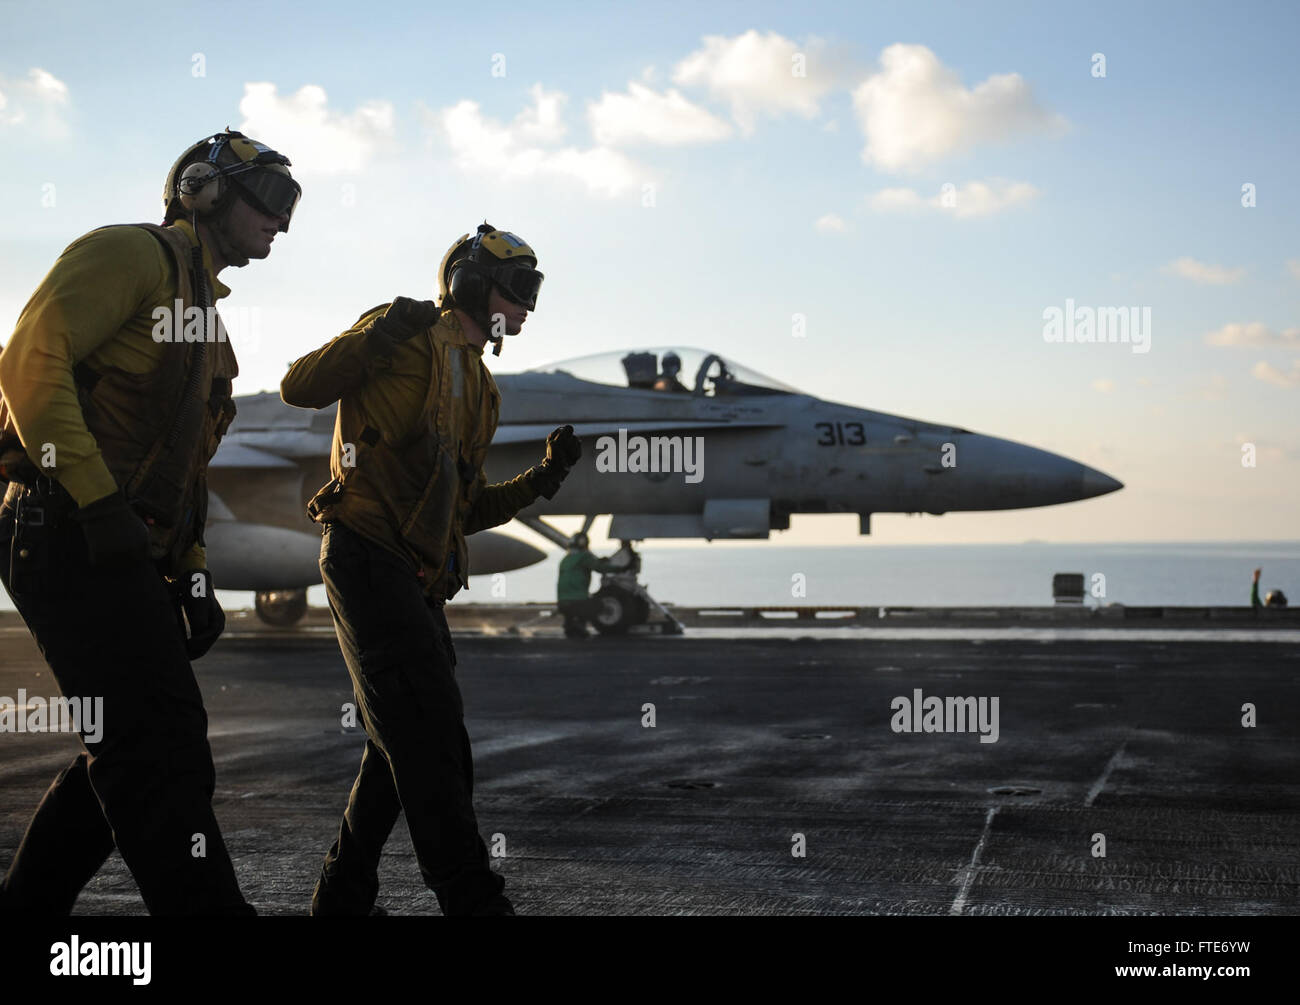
x=832 y=434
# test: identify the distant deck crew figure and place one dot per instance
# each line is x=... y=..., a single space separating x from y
x=668 y=380
x=1274 y=598
x=116 y=393
x=573 y=589
x=417 y=411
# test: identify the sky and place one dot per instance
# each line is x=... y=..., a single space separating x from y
x=880 y=205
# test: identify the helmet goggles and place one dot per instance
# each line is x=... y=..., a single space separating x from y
x=518 y=283
x=271 y=192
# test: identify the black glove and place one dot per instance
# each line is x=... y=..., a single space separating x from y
x=115 y=536
x=405 y=318
x=563 y=451
x=207 y=619
x=562 y=447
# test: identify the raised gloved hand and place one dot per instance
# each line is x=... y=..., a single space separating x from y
x=563 y=447
x=406 y=317
x=115 y=536
x=563 y=451
x=207 y=619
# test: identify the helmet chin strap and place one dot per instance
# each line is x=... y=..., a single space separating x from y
x=483 y=320
x=221 y=236
x=497 y=340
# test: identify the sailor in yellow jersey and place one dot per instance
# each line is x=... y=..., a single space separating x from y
x=417 y=411
x=115 y=391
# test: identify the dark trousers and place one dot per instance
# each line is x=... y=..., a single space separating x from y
x=417 y=759
x=146 y=785
x=576 y=615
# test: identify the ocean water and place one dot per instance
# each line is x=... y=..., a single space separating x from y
x=1196 y=573
x=937 y=575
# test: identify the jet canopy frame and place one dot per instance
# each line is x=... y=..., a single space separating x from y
x=702 y=373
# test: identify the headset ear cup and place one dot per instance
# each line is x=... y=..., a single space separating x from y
x=469 y=288
x=480 y=287
x=200 y=187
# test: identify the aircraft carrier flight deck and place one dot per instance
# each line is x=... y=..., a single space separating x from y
x=780 y=774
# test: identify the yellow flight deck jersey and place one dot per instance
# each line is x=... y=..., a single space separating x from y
x=95 y=306
x=412 y=433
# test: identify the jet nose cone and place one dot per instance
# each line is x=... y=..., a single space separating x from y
x=1097 y=484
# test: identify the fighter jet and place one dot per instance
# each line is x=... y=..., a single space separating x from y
x=723 y=453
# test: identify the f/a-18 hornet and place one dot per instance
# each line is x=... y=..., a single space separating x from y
x=727 y=453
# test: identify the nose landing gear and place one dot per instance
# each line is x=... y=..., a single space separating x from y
x=625 y=604
x=622 y=604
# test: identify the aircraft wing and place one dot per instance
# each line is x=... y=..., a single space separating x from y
x=270 y=449
x=237 y=455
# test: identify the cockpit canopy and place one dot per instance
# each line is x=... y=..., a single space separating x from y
x=695 y=371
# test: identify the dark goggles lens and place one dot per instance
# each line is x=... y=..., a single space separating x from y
x=520 y=284
x=270 y=192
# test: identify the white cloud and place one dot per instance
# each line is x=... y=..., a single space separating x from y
x=971 y=200
x=977 y=198
x=1293 y=267
x=542 y=123
x=46 y=85
x=1272 y=375
x=758 y=75
x=891 y=199
x=525 y=147
x=646 y=116
x=1254 y=333
x=1104 y=385
x=831 y=224
x=605 y=172
x=1201 y=272
x=916 y=110
x=37 y=101
x=305 y=130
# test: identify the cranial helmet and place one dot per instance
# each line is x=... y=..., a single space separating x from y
x=473 y=265
x=207 y=176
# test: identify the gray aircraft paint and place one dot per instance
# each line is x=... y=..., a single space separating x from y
x=771 y=452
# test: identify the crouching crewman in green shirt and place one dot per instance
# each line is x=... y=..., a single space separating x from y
x=574 y=586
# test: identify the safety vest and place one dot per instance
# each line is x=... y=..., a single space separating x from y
x=423 y=485
x=158 y=430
